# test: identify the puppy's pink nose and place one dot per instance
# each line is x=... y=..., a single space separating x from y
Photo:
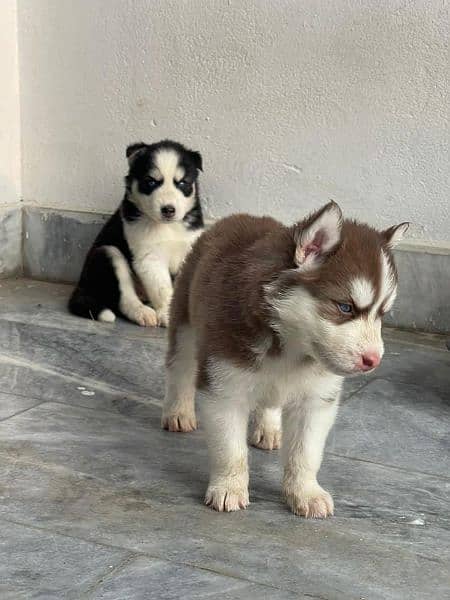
x=369 y=361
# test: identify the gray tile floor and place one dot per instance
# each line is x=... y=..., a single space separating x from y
x=97 y=502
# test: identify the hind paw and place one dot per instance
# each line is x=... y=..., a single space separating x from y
x=106 y=316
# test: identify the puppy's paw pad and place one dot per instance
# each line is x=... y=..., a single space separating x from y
x=180 y=422
x=266 y=439
x=314 y=503
x=146 y=317
x=227 y=498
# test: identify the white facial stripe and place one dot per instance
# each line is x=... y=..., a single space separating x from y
x=388 y=288
x=155 y=173
x=167 y=167
x=179 y=174
x=167 y=163
x=362 y=292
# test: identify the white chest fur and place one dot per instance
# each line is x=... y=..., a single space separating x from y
x=167 y=243
x=279 y=378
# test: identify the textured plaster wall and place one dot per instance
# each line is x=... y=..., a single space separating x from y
x=9 y=106
x=290 y=102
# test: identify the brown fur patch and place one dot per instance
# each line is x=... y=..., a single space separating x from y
x=358 y=256
x=221 y=290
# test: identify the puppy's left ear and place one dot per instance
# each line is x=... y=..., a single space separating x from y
x=394 y=235
x=197 y=159
x=133 y=150
x=317 y=237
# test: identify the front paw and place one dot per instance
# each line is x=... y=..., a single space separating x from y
x=309 y=500
x=227 y=496
x=144 y=316
x=182 y=422
x=162 y=316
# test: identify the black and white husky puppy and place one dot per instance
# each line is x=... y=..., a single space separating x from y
x=142 y=246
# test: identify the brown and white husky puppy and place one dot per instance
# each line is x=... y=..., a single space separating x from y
x=272 y=318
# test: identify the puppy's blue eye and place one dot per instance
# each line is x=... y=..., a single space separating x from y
x=147 y=185
x=345 y=308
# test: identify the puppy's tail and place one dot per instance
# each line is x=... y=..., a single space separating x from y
x=83 y=304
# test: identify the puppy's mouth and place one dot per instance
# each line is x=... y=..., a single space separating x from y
x=337 y=367
x=168 y=213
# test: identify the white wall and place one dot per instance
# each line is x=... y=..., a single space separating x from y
x=9 y=106
x=290 y=102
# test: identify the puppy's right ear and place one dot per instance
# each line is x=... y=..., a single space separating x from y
x=133 y=150
x=197 y=159
x=316 y=237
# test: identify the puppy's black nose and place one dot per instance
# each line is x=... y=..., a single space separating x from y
x=168 y=211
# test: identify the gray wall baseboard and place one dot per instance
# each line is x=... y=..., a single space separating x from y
x=10 y=242
x=55 y=245
x=423 y=299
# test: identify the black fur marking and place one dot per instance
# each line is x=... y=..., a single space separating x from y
x=112 y=235
x=185 y=187
x=97 y=289
x=197 y=159
x=130 y=212
x=194 y=218
x=190 y=160
x=148 y=185
x=98 y=286
x=133 y=149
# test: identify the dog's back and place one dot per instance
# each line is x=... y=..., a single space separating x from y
x=215 y=280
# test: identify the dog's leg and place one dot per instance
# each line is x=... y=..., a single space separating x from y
x=155 y=277
x=265 y=430
x=129 y=303
x=179 y=402
x=305 y=428
x=225 y=418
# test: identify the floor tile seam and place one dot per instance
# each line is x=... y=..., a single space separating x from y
x=81 y=406
x=388 y=466
x=20 y=395
x=329 y=453
x=90 y=332
x=347 y=397
x=135 y=554
x=21 y=412
x=107 y=575
x=142 y=399
x=96 y=385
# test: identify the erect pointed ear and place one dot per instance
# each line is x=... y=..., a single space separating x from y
x=197 y=159
x=133 y=150
x=318 y=236
x=394 y=235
